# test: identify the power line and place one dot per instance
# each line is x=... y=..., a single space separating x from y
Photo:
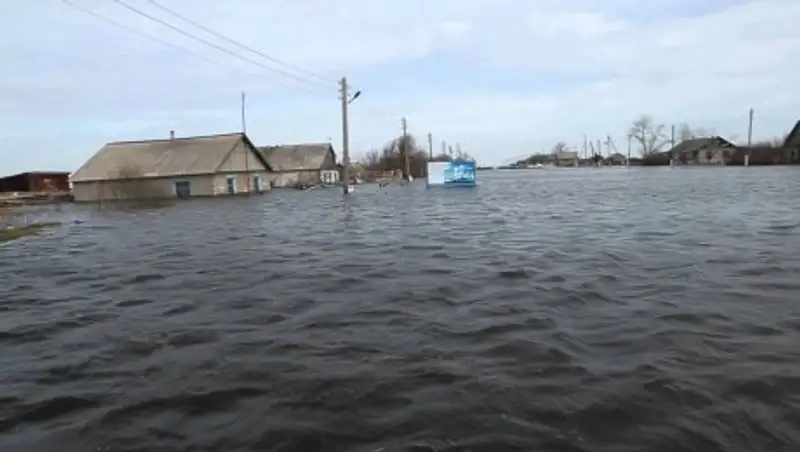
x=145 y=35
x=171 y=45
x=234 y=42
x=256 y=51
x=216 y=46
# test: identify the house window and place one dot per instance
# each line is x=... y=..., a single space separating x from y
x=183 y=189
x=231 y=185
x=795 y=154
x=257 y=183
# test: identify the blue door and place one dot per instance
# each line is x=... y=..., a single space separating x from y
x=231 y=185
x=183 y=189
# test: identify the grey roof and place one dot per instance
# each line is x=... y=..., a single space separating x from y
x=162 y=158
x=299 y=157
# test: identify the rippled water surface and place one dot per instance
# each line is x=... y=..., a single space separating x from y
x=559 y=310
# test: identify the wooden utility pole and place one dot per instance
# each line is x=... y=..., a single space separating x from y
x=628 y=162
x=672 y=135
x=246 y=151
x=345 y=138
x=644 y=143
x=585 y=146
x=407 y=163
x=749 y=137
x=430 y=147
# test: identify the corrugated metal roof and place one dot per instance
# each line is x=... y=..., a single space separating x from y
x=298 y=157
x=160 y=158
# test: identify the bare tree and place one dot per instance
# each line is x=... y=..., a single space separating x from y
x=651 y=136
x=559 y=147
x=132 y=185
x=686 y=132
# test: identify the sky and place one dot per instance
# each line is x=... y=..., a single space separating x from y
x=502 y=78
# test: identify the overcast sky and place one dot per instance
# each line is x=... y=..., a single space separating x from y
x=504 y=78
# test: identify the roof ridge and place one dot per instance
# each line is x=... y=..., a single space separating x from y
x=194 y=137
x=310 y=143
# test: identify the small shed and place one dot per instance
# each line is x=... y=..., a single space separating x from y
x=305 y=164
x=36 y=182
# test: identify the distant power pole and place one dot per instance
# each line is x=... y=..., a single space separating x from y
x=629 y=150
x=345 y=138
x=405 y=150
x=244 y=121
x=672 y=135
x=585 y=146
x=430 y=147
x=244 y=132
x=444 y=147
x=749 y=138
x=644 y=143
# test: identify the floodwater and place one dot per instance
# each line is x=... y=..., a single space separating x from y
x=559 y=310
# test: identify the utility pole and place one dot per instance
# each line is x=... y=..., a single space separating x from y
x=345 y=138
x=749 y=137
x=246 y=151
x=430 y=147
x=444 y=147
x=585 y=146
x=406 y=162
x=628 y=163
x=644 y=143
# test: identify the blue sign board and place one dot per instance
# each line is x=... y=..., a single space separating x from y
x=457 y=173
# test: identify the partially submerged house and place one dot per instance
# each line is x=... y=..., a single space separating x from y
x=702 y=151
x=211 y=165
x=694 y=151
x=35 y=182
x=565 y=158
x=307 y=164
x=616 y=159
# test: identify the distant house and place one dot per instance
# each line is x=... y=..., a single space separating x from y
x=702 y=151
x=36 y=182
x=209 y=165
x=301 y=164
x=616 y=159
x=565 y=158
